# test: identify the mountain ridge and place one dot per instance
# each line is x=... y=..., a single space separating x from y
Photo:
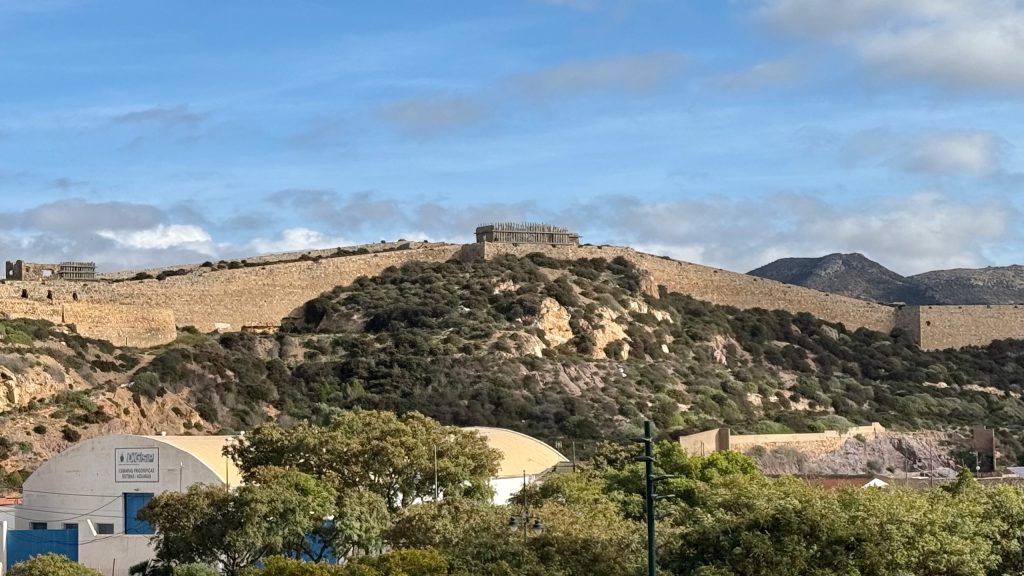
x=857 y=276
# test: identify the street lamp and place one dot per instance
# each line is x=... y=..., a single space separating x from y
x=526 y=523
x=524 y=520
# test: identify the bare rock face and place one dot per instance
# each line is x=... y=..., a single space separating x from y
x=553 y=321
x=649 y=286
x=524 y=344
x=43 y=378
x=609 y=331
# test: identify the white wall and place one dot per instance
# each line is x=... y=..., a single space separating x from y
x=80 y=486
x=505 y=488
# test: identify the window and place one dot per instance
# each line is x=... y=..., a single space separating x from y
x=104 y=528
x=71 y=526
x=133 y=502
x=38 y=525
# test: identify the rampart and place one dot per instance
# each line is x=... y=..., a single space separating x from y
x=816 y=443
x=943 y=327
x=140 y=326
x=258 y=296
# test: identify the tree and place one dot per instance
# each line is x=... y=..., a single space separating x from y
x=51 y=565
x=389 y=455
x=272 y=513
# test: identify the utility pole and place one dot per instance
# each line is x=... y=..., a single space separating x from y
x=648 y=460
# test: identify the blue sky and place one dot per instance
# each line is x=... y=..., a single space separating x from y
x=728 y=133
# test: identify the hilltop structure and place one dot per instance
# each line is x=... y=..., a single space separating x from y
x=30 y=271
x=527 y=233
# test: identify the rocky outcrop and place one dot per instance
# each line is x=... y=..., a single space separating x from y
x=607 y=331
x=553 y=322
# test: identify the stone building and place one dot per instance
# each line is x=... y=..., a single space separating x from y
x=31 y=271
x=526 y=233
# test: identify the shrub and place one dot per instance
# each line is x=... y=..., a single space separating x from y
x=70 y=434
x=39 y=429
x=51 y=565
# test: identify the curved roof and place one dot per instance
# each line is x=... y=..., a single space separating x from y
x=519 y=452
x=210 y=451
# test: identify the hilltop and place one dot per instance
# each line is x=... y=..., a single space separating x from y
x=848 y=274
x=856 y=276
x=567 y=350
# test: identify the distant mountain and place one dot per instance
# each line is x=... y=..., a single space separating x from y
x=850 y=275
x=857 y=276
x=992 y=285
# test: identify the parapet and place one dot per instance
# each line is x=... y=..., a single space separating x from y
x=526 y=233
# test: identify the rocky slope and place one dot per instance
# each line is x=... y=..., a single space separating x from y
x=993 y=285
x=857 y=276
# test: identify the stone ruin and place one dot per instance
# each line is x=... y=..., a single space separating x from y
x=31 y=271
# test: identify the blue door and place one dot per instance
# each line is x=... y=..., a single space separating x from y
x=133 y=502
x=24 y=544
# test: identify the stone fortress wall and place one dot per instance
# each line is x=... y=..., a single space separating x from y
x=814 y=443
x=257 y=297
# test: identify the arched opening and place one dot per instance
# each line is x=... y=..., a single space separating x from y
x=74 y=296
x=24 y=293
x=49 y=294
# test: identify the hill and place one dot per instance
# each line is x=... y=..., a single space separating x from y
x=992 y=285
x=567 y=350
x=856 y=276
x=847 y=274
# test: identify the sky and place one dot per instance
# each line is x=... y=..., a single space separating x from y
x=724 y=132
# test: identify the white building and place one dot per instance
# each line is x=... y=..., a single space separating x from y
x=524 y=460
x=83 y=501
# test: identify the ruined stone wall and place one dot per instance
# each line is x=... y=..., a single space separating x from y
x=703 y=443
x=727 y=288
x=230 y=299
x=141 y=326
x=957 y=326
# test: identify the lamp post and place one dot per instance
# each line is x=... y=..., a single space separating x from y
x=650 y=497
x=524 y=520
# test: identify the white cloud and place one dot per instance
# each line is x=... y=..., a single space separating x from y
x=959 y=45
x=163 y=237
x=925 y=231
x=294 y=240
x=973 y=152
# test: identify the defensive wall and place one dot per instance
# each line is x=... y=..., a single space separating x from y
x=230 y=299
x=271 y=288
x=816 y=443
x=940 y=327
x=141 y=326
